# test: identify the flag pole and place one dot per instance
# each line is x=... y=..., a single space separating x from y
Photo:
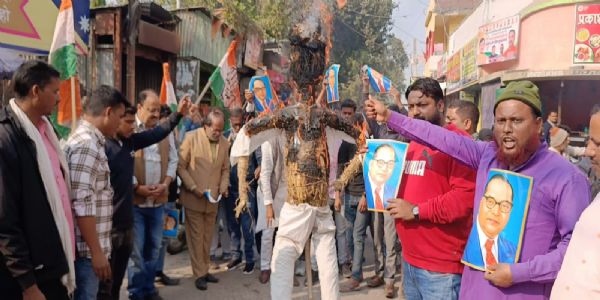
x=203 y=91
x=73 y=105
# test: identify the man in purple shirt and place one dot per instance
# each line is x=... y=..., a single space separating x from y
x=560 y=192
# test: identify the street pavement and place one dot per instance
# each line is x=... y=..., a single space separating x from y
x=234 y=285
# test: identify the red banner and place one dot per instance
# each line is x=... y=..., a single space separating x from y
x=587 y=34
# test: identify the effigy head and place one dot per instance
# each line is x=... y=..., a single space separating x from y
x=310 y=40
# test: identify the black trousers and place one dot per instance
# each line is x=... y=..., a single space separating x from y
x=122 y=245
x=53 y=290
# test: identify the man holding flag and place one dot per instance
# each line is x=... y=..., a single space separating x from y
x=121 y=163
x=154 y=170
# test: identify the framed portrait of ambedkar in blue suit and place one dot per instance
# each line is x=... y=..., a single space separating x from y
x=383 y=168
x=331 y=80
x=260 y=86
x=500 y=216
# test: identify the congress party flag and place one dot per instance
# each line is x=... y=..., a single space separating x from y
x=63 y=57
x=167 y=93
x=224 y=80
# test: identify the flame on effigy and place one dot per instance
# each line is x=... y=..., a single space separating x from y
x=310 y=40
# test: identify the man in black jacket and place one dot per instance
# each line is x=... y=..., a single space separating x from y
x=119 y=151
x=36 y=224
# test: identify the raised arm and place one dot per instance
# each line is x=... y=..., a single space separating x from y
x=460 y=147
x=150 y=137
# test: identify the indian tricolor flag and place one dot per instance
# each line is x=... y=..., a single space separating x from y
x=167 y=93
x=224 y=80
x=64 y=58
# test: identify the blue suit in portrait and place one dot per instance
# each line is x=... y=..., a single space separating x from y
x=388 y=193
x=473 y=253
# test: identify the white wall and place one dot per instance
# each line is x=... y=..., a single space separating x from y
x=487 y=12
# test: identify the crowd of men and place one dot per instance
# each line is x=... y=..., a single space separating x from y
x=76 y=216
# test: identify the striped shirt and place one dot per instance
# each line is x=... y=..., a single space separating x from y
x=91 y=192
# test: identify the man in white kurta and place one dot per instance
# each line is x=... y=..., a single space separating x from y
x=272 y=191
x=579 y=275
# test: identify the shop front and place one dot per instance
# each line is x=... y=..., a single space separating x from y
x=563 y=64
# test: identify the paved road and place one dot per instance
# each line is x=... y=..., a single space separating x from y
x=235 y=285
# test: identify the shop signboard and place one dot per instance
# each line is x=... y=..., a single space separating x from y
x=468 y=63
x=442 y=67
x=453 y=73
x=587 y=34
x=498 y=41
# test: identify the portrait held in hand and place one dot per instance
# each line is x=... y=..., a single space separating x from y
x=384 y=163
x=331 y=80
x=378 y=81
x=260 y=86
x=498 y=228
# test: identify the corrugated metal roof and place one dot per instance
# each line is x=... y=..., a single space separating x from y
x=194 y=30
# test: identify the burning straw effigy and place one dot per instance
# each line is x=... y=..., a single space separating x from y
x=304 y=124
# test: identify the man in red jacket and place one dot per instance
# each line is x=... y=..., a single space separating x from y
x=434 y=212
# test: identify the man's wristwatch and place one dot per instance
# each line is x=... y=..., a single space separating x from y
x=415 y=211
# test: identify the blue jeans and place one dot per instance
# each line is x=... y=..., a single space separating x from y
x=419 y=284
x=242 y=227
x=160 y=264
x=147 y=238
x=350 y=210
x=86 y=280
x=362 y=221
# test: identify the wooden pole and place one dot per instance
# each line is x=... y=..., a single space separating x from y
x=307 y=261
x=132 y=40
x=203 y=91
x=73 y=105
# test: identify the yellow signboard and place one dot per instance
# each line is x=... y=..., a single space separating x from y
x=28 y=26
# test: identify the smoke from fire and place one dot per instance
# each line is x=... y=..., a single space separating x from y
x=310 y=40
